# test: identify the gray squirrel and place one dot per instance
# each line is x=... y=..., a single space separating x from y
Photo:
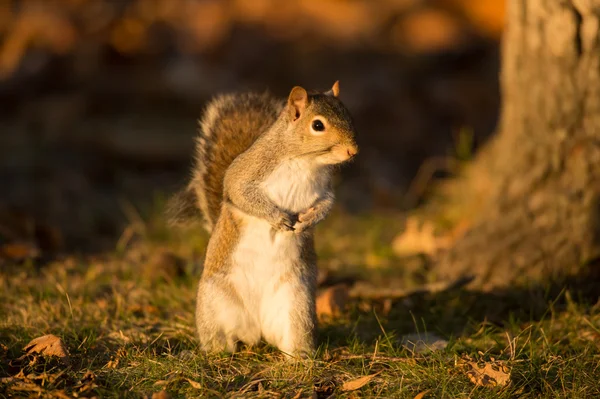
x=262 y=181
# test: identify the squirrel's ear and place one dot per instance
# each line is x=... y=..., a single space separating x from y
x=297 y=102
x=335 y=89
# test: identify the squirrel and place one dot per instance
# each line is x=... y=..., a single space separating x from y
x=262 y=181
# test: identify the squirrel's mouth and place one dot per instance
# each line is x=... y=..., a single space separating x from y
x=341 y=153
x=335 y=154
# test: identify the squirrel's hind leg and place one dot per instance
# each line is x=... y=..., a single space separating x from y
x=288 y=320
x=217 y=341
x=221 y=318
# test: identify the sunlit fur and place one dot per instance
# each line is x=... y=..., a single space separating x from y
x=259 y=277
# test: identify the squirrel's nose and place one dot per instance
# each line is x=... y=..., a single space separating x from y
x=352 y=151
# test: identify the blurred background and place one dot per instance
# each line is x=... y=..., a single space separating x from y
x=99 y=99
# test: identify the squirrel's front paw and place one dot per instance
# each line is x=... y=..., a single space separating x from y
x=305 y=220
x=285 y=222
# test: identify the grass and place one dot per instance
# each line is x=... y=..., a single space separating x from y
x=127 y=320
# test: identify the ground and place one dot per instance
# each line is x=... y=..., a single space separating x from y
x=126 y=319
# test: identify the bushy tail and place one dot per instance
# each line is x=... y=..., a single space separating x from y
x=229 y=126
x=182 y=209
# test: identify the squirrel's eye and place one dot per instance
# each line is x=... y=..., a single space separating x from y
x=318 y=126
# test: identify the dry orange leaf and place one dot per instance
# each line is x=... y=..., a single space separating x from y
x=48 y=345
x=19 y=251
x=489 y=375
x=194 y=384
x=331 y=301
x=421 y=395
x=161 y=395
x=357 y=383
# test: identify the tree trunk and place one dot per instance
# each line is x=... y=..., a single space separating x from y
x=540 y=176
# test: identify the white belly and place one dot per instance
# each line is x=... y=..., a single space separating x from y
x=264 y=274
x=265 y=270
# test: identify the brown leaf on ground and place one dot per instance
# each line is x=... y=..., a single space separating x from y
x=161 y=395
x=18 y=251
x=48 y=345
x=194 y=384
x=158 y=395
x=332 y=301
x=421 y=395
x=358 y=383
x=489 y=375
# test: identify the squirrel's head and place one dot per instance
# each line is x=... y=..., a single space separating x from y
x=322 y=124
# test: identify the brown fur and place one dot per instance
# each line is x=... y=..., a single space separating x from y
x=231 y=124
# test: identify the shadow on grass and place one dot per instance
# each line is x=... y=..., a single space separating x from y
x=460 y=312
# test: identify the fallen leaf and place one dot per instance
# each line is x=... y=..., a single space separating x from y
x=161 y=395
x=48 y=345
x=332 y=301
x=358 y=383
x=18 y=251
x=421 y=395
x=489 y=375
x=419 y=239
x=194 y=384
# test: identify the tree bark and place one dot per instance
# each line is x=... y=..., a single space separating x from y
x=539 y=178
